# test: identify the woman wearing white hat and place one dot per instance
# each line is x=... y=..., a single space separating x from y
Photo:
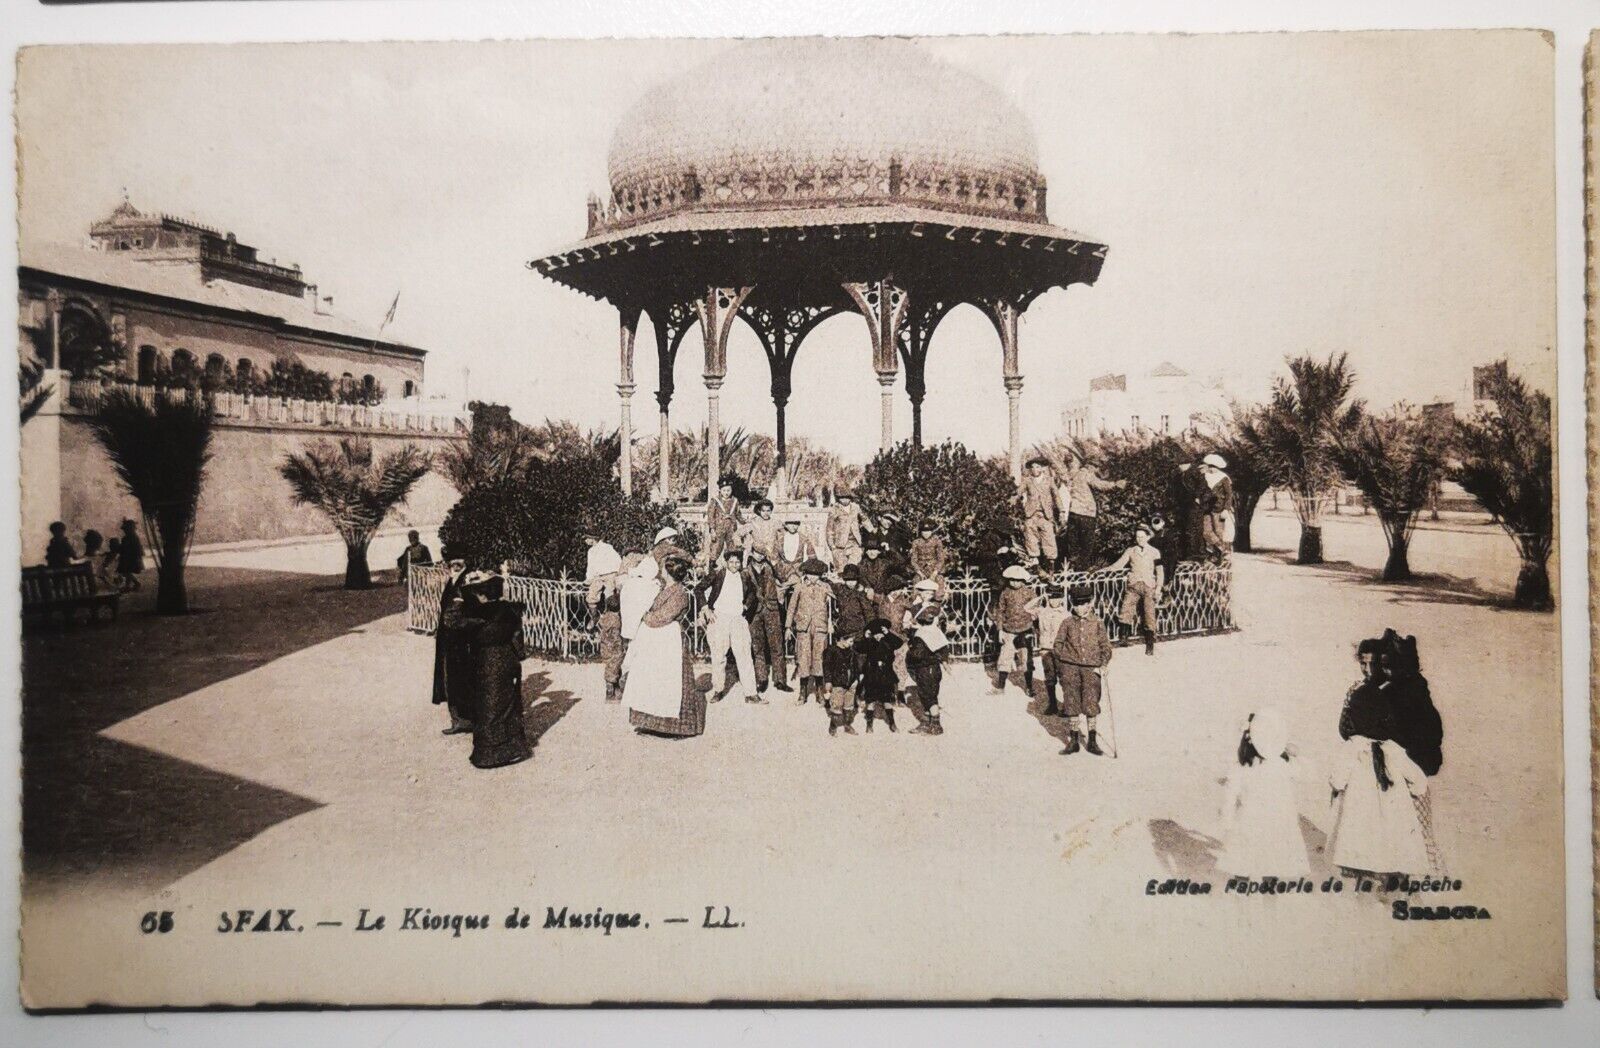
x=1212 y=519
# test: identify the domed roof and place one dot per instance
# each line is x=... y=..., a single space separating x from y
x=823 y=122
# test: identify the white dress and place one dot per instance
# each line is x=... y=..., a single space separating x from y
x=1378 y=830
x=654 y=668
x=1260 y=826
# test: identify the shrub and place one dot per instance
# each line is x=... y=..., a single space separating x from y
x=975 y=501
x=537 y=521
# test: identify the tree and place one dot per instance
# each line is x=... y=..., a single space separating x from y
x=537 y=522
x=1237 y=437
x=1505 y=462
x=159 y=452
x=1300 y=428
x=32 y=392
x=1396 y=459
x=974 y=500
x=356 y=490
x=490 y=455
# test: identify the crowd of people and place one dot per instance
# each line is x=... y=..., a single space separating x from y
x=116 y=564
x=867 y=630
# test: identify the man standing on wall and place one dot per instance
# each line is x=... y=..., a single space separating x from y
x=1083 y=513
x=722 y=523
x=1040 y=512
x=844 y=531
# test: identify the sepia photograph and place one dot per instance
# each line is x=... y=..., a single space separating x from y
x=791 y=520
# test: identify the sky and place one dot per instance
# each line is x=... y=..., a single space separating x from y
x=1386 y=195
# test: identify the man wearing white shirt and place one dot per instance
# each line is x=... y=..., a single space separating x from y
x=729 y=600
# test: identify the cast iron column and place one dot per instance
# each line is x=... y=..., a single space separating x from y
x=716 y=311
x=625 y=388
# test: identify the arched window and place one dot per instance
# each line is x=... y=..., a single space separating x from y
x=409 y=389
x=148 y=360
x=245 y=371
x=182 y=362
x=369 y=385
x=214 y=367
x=347 y=381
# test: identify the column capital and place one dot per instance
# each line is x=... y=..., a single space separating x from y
x=1013 y=385
x=713 y=382
x=886 y=379
x=625 y=389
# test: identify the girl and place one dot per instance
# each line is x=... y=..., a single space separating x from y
x=1260 y=826
x=1393 y=743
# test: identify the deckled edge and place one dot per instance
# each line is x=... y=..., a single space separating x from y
x=1591 y=287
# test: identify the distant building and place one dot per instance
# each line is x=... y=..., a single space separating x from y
x=1471 y=393
x=150 y=296
x=154 y=289
x=1167 y=400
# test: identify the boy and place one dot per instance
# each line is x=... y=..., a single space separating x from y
x=1052 y=613
x=1014 y=615
x=853 y=608
x=766 y=629
x=925 y=655
x=894 y=606
x=929 y=555
x=1145 y=576
x=807 y=614
x=877 y=682
x=1082 y=650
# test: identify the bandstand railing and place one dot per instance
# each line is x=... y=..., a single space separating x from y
x=557 y=623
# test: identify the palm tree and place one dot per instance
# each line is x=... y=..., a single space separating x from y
x=1300 y=428
x=356 y=492
x=159 y=451
x=1238 y=438
x=1396 y=459
x=1505 y=462
x=490 y=456
x=32 y=392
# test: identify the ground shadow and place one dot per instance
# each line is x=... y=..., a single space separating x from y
x=543 y=708
x=1420 y=588
x=1316 y=849
x=1182 y=851
x=95 y=807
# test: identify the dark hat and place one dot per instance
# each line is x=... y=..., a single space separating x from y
x=894 y=582
x=878 y=625
x=846 y=495
x=850 y=573
x=1037 y=461
x=813 y=567
x=792 y=520
x=927 y=525
x=1081 y=594
x=764 y=502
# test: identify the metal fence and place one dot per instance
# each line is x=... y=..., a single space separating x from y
x=556 y=622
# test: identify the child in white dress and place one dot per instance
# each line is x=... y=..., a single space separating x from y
x=1260 y=825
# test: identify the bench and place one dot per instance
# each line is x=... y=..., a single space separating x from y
x=48 y=590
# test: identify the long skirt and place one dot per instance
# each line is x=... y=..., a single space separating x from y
x=651 y=675
x=497 y=733
x=1378 y=830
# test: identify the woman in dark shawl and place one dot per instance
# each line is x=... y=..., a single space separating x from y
x=453 y=682
x=1394 y=740
x=494 y=627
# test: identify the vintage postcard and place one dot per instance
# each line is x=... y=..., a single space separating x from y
x=793 y=520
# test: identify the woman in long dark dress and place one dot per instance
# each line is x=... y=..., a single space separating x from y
x=660 y=690
x=453 y=673
x=494 y=628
